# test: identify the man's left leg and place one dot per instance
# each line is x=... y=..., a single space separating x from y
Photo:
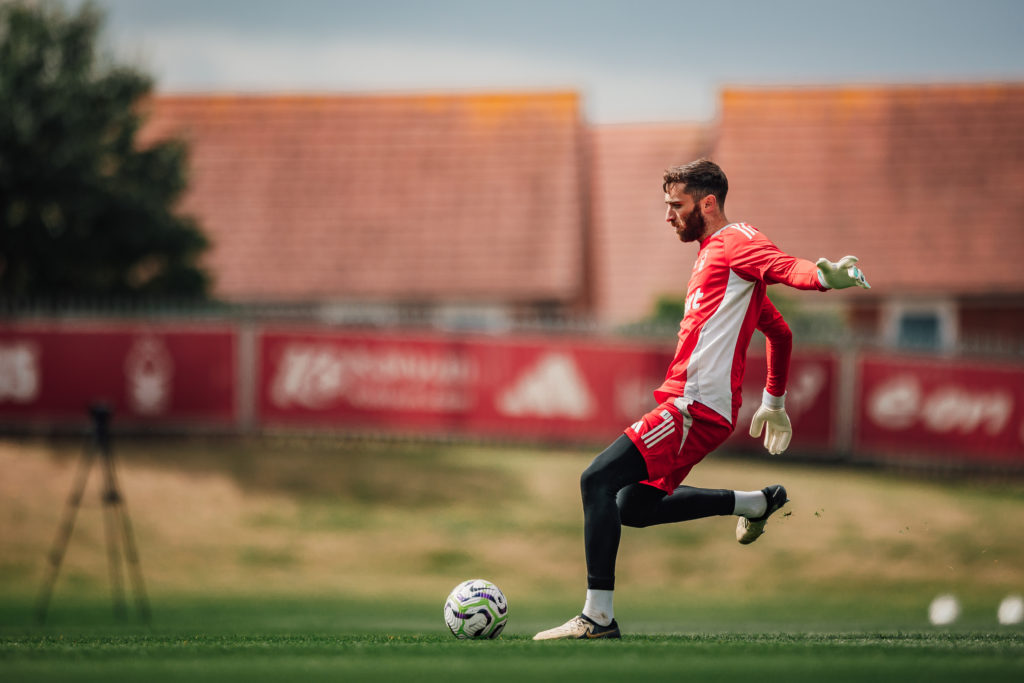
x=705 y=431
x=642 y=505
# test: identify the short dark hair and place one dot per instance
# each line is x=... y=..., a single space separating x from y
x=701 y=178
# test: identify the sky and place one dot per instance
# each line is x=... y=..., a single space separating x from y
x=631 y=61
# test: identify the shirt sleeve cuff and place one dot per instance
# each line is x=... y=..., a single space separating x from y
x=773 y=402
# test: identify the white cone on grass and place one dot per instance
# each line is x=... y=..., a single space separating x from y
x=1011 y=610
x=944 y=610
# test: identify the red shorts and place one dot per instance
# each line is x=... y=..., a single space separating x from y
x=674 y=437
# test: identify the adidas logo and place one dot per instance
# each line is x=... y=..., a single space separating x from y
x=553 y=387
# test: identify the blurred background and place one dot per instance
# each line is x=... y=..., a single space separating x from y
x=341 y=269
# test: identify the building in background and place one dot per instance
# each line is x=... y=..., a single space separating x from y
x=482 y=210
x=465 y=209
x=924 y=183
x=637 y=256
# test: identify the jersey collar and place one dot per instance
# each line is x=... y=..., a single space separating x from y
x=715 y=234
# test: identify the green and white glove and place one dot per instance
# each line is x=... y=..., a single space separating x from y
x=772 y=414
x=842 y=274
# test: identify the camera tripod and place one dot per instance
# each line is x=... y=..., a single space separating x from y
x=117 y=526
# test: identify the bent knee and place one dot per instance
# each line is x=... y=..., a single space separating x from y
x=631 y=519
x=635 y=506
x=632 y=515
x=591 y=480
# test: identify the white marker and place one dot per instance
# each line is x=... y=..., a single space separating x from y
x=944 y=610
x=1011 y=610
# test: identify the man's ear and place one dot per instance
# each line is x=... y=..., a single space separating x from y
x=708 y=204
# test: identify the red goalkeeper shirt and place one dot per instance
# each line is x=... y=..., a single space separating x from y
x=725 y=302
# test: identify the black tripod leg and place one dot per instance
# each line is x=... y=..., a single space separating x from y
x=111 y=505
x=131 y=552
x=134 y=566
x=67 y=525
x=117 y=526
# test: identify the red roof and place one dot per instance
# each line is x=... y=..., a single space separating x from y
x=924 y=183
x=420 y=197
x=508 y=198
x=637 y=256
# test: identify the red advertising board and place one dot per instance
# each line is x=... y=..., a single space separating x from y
x=146 y=373
x=568 y=389
x=440 y=384
x=940 y=409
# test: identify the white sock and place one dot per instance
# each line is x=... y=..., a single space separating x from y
x=599 y=606
x=750 y=504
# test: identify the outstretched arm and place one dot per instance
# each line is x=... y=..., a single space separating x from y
x=755 y=256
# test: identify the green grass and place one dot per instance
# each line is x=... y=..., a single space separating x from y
x=904 y=657
x=246 y=640
x=288 y=559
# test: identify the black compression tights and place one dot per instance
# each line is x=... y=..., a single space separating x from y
x=613 y=496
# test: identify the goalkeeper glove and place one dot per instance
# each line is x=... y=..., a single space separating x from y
x=773 y=414
x=842 y=274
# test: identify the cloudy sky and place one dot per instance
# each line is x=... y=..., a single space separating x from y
x=632 y=61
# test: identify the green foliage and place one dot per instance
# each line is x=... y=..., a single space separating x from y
x=669 y=310
x=662 y=322
x=83 y=209
x=821 y=325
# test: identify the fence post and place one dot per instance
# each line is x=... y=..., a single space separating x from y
x=846 y=401
x=248 y=359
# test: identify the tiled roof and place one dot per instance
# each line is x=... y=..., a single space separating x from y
x=487 y=197
x=637 y=256
x=924 y=183
x=420 y=197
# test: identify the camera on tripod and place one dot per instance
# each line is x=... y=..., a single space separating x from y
x=117 y=525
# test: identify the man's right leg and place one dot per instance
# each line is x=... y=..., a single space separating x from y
x=617 y=466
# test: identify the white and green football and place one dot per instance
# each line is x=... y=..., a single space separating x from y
x=476 y=609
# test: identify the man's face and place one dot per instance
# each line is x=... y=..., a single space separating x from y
x=684 y=214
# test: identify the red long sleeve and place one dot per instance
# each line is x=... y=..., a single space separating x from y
x=760 y=259
x=779 y=347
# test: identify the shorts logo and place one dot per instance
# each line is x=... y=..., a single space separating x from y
x=659 y=431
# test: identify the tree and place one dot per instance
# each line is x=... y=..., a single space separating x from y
x=83 y=210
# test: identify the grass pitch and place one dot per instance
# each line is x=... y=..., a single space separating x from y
x=290 y=559
x=913 y=657
x=302 y=640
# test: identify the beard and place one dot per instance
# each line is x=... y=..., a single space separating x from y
x=693 y=226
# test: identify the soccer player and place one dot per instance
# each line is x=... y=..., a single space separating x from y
x=636 y=480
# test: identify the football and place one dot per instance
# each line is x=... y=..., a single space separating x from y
x=476 y=609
